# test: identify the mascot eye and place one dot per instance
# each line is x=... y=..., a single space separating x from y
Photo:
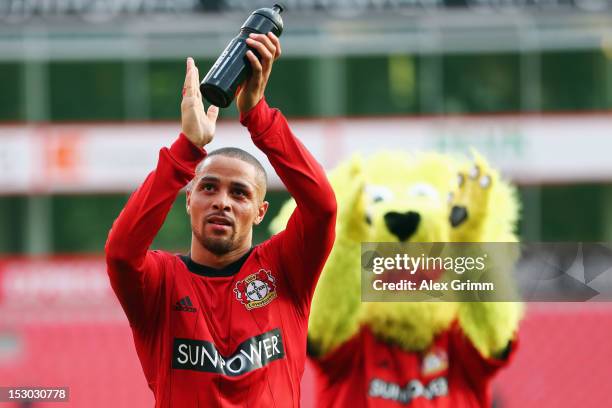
x=379 y=193
x=424 y=190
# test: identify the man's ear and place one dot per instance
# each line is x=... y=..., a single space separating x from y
x=261 y=212
x=188 y=202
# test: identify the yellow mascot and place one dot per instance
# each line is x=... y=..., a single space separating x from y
x=409 y=354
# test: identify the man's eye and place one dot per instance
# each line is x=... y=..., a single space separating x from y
x=240 y=192
x=208 y=187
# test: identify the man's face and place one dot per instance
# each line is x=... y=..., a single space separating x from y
x=226 y=200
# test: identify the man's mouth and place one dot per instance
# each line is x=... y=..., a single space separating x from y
x=219 y=220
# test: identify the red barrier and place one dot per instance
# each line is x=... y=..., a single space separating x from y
x=60 y=325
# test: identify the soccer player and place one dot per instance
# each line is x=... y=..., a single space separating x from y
x=224 y=326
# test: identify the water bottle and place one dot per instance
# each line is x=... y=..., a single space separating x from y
x=232 y=67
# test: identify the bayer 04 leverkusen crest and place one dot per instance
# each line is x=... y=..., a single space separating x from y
x=256 y=290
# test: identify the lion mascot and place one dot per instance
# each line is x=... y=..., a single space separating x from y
x=409 y=354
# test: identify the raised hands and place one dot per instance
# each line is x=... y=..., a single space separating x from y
x=197 y=125
x=252 y=90
x=470 y=203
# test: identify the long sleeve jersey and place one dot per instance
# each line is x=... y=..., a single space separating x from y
x=231 y=337
x=368 y=372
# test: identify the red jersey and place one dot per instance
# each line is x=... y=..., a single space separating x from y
x=233 y=337
x=367 y=372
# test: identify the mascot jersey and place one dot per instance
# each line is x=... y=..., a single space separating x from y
x=234 y=337
x=451 y=373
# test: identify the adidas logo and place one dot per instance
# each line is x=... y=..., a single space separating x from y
x=185 y=305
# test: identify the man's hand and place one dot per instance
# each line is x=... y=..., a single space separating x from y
x=197 y=125
x=252 y=90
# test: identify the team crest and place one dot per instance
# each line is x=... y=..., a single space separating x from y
x=256 y=290
x=434 y=362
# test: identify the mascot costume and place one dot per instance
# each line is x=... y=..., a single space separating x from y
x=409 y=354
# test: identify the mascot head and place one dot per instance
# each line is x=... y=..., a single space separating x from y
x=399 y=197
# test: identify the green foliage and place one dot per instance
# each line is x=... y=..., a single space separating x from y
x=11 y=99
x=481 y=83
x=86 y=91
x=80 y=223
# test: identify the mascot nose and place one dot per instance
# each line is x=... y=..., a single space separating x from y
x=402 y=225
x=458 y=215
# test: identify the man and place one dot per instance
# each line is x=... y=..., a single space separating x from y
x=226 y=325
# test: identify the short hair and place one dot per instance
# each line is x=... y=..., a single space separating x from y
x=239 y=154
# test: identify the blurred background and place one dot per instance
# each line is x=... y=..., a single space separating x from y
x=90 y=90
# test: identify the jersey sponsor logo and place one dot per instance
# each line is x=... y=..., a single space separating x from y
x=434 y=362
x=254 y=353
x=256 y=290
x=185 y=305
x=437 y=387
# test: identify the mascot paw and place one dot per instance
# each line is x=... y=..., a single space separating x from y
x=469 y=203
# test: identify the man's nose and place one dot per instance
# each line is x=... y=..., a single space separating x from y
x=221 y=202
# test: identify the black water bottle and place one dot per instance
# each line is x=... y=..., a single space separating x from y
x=232 y=67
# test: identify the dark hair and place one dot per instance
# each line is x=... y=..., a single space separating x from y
x=239 y=154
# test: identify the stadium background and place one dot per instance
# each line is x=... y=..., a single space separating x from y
x=91 y=90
